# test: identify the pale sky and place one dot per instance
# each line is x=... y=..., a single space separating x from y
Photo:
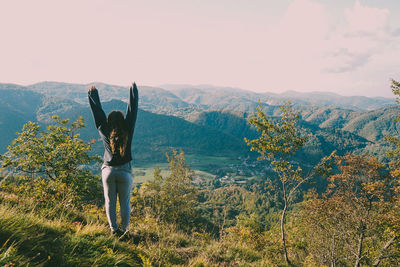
x=351 y=47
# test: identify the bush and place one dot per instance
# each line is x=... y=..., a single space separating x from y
x=50 y=166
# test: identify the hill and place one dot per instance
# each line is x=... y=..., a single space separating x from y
x=322 y=141
x=169 y=99
x=206 y=120
x=155 y=134
x=373 y=125
x=376 y=124
x=226 y=97
x=16 y=108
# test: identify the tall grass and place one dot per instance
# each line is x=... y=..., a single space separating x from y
x=82 y=238
x=26 y=239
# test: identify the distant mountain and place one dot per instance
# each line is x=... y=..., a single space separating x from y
x=326 y=99
x=322 y=141
x=156 y=100
x=16 y=108
x=373 y=125
x=206 y=120
x=183 y=99
x=155 y=134
x=329 y=117
x=223 y=97
x=150 y=96
x=226 y=122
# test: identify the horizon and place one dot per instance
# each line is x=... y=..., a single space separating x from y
x=208 y=87
x=263 y=46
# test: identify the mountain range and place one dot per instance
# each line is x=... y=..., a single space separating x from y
x=205 y=120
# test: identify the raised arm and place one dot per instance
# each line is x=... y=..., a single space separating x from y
x=95 y=105
x=131 y=111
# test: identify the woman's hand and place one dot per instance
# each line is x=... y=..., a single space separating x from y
x=93 y=88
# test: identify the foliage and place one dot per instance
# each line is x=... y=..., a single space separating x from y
x=279 y=140
x=348 y=223
x=50 y=163
x=226 y=206
x=171 y=199
x=396 y=89
x=278 y=143
x=394 y=156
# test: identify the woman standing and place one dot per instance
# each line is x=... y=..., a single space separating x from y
x=116 y=133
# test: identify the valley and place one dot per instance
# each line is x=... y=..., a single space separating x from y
x=209 y=123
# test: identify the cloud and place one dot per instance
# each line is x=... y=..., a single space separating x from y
x=367 y=24
x=366 y=19
x=306 y=32
x=396 y=32
x=359 y=40
x=313 y=48
x=347 y=61
x=303 y=45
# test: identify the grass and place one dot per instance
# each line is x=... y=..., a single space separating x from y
x=28 y=240
x=141 y=175
x=144 y=174
x=33 y=237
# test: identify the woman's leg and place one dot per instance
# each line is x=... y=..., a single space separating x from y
x=124 y=185
x=110 y=196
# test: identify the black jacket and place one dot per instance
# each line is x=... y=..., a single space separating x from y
x=100 y=120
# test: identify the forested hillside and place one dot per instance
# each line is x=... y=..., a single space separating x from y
x=16 y=108
x=155 y=133
x=205 y=132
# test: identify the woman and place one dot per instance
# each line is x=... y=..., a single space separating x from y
x=116 y=133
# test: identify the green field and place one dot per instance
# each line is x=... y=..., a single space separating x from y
x=144 y=174
x=203 y=166
x=141 y=175
x=200 y=162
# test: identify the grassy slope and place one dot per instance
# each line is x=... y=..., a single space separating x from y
x=27 y=239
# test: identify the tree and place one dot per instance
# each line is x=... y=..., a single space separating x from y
x=394 y=214
x=348 y=222
x=358 y=218
x=394 y=164
x=278 y=142
x=54 y=158
x=171 y=199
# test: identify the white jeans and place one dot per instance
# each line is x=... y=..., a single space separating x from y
x=117 y=180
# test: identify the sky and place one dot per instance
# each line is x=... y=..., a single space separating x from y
x=351 y=47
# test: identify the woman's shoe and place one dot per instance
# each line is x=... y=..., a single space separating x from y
x=117 y=233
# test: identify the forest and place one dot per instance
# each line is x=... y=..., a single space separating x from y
x=329 y=195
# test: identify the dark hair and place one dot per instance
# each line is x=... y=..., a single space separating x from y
x=119 y=132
